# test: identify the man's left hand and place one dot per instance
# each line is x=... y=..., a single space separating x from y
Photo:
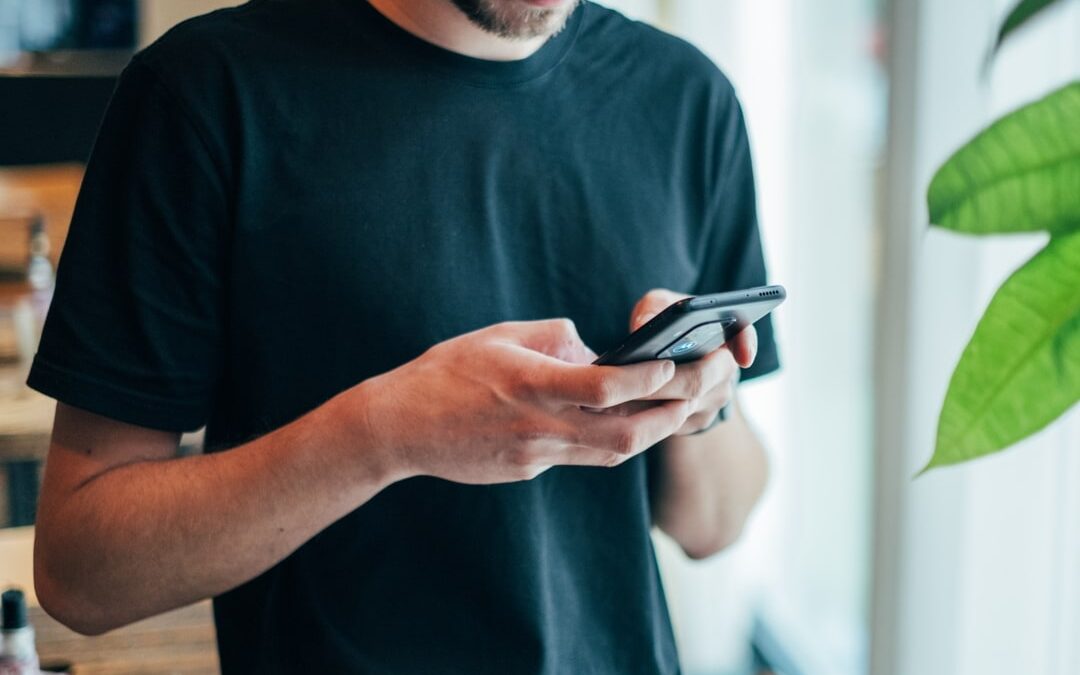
x=709 y=382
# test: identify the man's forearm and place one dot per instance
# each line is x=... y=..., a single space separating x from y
x=708 y=485
x=155 y=535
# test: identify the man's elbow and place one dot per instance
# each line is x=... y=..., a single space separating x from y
x=64 y=600
x=702 y=547
x=704 y=536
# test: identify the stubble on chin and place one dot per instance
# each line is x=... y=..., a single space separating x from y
x=510 y=19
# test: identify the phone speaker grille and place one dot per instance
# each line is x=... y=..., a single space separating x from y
x=769 y=294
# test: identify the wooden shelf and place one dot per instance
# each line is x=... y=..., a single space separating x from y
x=70 y=63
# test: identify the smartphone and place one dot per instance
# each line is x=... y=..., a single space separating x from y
x=694 y=327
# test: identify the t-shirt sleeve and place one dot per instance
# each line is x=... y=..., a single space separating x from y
x=135 y=328
x=732 y=258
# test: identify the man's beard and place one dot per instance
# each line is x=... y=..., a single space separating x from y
x=517 y=23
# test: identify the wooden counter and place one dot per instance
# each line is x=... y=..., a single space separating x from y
x=180 y=642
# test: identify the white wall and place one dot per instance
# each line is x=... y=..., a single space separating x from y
x=975 y=565
x=157 y=16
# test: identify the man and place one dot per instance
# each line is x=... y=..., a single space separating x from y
x=367 y=246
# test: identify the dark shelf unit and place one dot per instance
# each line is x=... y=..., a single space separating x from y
x=50 y=118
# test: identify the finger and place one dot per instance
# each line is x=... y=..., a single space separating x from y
x=696 y=379
x=607 y=440
x=600 y=386
x=651 y=304
x=624 y=409
x=744 y=346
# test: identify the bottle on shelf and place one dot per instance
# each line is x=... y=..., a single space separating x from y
x=18 y=654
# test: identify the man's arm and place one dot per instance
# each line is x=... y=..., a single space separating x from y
x=126 y=530
x=708 y=485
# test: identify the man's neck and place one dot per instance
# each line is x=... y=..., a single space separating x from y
x=441 y=23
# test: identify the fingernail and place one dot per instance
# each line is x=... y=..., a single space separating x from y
x=645 y=318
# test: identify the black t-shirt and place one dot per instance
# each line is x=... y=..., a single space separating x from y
x=292 y=196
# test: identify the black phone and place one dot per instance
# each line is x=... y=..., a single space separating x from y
x=693 y=327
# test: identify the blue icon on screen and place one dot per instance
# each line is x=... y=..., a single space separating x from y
x=683 y=347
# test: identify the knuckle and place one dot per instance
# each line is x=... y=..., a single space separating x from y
x=528 y=433
x=658 y=377
x=699 y=421
x=571 y=436
x=626 y=442
x=517 y=390
x=523 y=459
x=696 y=382
x=565 y=327
x=558 y=331
x=522 y=384
x=614 y=459
x=442 y=348
x=537 y=431
x=530 y=472
x=684 y=411
x=681 y=414
x=495 y=332
x=601 y=393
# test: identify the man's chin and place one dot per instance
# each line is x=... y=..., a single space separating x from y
x=518 y=19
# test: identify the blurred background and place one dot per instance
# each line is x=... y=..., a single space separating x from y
x=849 y=566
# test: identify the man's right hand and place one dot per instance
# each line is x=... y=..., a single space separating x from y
x=504 y=404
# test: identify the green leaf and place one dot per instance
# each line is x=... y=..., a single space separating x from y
x=1024 y=10
x=1020 y=174
x=1021 y=369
